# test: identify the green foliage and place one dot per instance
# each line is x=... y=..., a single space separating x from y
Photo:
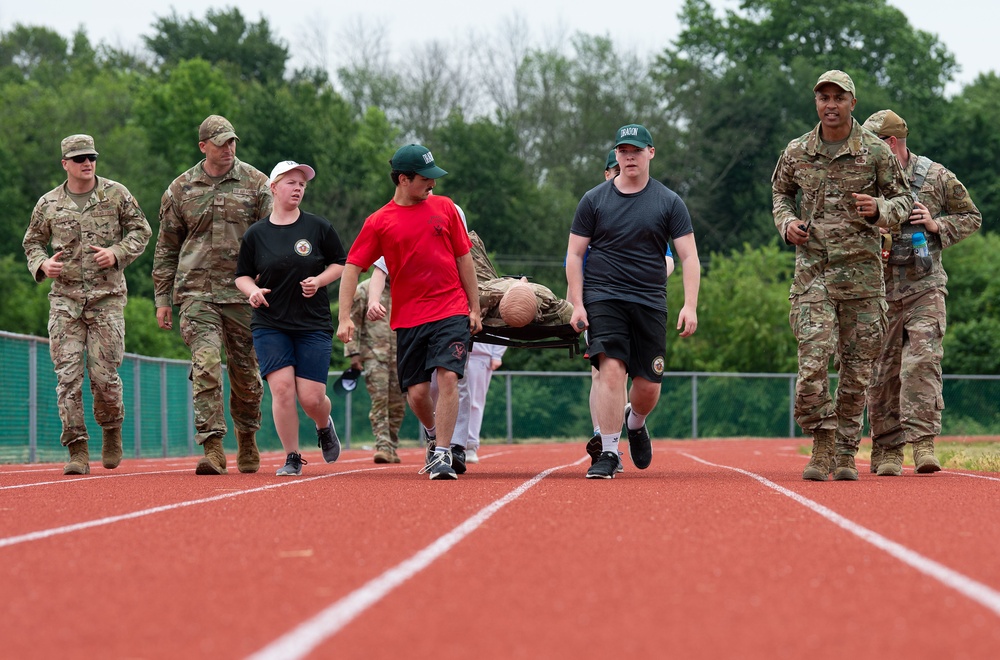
x=26 y=307
x=144 y=337
x=223 y=37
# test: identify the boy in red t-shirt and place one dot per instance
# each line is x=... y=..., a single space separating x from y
x=435 y=298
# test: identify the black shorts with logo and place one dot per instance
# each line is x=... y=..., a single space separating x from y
x=422 y=349
x=630 y=332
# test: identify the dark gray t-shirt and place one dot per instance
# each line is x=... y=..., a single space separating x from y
x=629 y=235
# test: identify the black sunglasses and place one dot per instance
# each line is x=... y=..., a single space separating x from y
x=80 y=159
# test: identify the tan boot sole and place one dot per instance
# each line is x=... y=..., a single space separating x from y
x=76 y=468
x=206 y=466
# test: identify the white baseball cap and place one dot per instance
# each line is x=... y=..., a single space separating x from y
x=289 y=165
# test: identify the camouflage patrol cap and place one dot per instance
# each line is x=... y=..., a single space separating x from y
x=838 y=78
x=77 y=145
x=217 y=130
x=887 y=123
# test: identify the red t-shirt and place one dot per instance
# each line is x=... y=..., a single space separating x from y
x=420 y=244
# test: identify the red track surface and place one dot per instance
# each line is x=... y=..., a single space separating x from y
x=718 y=550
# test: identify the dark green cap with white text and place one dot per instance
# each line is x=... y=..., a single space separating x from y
x=612 y=160
x=416 y=158
x=634 y=134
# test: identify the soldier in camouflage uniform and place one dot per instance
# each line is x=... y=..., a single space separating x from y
x=203 y=215
x=850 y=186
x=96 y=229
x=373 y=351
x=905 y=402
x=551 y=310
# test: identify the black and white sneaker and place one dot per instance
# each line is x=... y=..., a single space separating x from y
x=605 y=467
x=293 y=465
x=458 y=459
x=329 y=442
x=439 y=466
x=594 y=449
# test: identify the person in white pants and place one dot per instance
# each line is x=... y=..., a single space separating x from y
x=484 y=359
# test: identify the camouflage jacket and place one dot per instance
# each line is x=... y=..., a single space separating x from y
x=492 y=287
x=372 y=339
x=112 y=218
x=201 y=228
x=842 y=258
x=957 y=217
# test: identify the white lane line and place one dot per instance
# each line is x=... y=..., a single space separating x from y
x=76 y=527
x=300 y=641
x=975 y=591
x=949 y=473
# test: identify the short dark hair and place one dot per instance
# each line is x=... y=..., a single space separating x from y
x=395 y=174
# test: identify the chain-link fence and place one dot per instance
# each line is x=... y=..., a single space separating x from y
x=521 y=406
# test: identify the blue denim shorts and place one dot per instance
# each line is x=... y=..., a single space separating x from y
x=309 y=352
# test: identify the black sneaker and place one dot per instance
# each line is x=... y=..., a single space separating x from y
x=329 y=442
x=293 y=465
x=594 y=448
x=605 y=467
x=439 y=466
x=458 y=459
x=639 y=448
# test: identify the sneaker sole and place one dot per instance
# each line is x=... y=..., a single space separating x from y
x=436 y=476
x=600 y=476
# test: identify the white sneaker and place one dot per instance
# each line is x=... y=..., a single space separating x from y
x=471 y=456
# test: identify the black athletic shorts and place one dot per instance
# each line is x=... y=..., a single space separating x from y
x=630 y=332
x=422 y=349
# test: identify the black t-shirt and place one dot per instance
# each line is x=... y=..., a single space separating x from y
x=283 y=256
x=629 y=235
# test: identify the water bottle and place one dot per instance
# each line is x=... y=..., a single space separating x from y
x=921 y=252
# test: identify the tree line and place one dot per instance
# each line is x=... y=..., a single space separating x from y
x=523 y=130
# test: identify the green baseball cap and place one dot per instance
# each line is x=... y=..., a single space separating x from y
x=634 y=134
x=416 y=158
x=612 y=160
x=838 y=78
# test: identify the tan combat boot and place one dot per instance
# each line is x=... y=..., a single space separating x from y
x=924 y=460
x=79 y=458
x=386 y=455
x=821 y=462
x=877 y=454
x=111 y=449
x=843 y=466
x=215 y=458
x=247 y=455
x=892 y=462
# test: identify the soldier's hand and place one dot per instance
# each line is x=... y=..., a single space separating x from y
x=52 y=266
x=376 y=312
x=797 y=233
x=356 y=363
x=104 y=257
x=165 y=317
x=866 y=204
x=921 y=215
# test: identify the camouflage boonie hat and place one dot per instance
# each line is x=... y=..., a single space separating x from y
x=77 y=145
x=886 y=123
x=217 y=130
x=838 y=78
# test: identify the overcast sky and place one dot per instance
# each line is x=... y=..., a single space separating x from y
x=967 y=27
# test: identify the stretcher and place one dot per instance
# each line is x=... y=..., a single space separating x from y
x=531 y=336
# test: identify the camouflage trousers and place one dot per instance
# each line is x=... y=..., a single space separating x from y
x=207 y=328
x=905 y=400
x=388 y=402
x=551 y=310
x=95 y=339
x=852 y=330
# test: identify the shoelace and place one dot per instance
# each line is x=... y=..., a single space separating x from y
x=296 y=459
x=437 y=458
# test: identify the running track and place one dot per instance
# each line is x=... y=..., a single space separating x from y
x=718 y=550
